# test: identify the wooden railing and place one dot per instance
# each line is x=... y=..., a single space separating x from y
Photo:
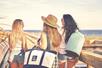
x=94 y=46
x=91 y=59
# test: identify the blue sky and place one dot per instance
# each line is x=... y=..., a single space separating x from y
x=87 y=13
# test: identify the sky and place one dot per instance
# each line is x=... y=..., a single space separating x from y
x=87 y=13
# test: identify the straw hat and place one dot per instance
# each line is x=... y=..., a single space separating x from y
x=50 y=20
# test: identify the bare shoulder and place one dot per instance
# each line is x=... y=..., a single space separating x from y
x=43 y=34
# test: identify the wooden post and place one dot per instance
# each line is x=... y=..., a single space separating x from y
x=91 y=58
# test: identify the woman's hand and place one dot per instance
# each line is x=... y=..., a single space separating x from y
x=62 y=51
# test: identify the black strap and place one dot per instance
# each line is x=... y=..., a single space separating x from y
x=48 y=48
x=29 y=56
x=42 y=58
x=48 y=42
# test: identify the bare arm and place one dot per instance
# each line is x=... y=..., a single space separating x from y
x=43 y=41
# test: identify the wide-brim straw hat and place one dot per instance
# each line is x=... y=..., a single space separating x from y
x=50 y=20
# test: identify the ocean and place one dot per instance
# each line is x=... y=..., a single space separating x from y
x=92 y=32
x=85 y=32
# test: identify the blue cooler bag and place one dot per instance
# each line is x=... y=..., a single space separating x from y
x=39 y=58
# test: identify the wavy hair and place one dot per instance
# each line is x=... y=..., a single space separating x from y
x=17 y=33
x=53 y=35
x=70 y=26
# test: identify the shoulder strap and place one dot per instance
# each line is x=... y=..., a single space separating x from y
x=48 y=42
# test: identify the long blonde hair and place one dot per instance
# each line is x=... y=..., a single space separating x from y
x=53 y=35
x=17 y=33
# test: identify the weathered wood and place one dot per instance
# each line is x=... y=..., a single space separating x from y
x=91 y=58
x=28 y=34
x=94 y=46
x=3 y=50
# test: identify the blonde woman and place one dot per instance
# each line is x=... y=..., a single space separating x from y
x=17 y=42
x=50 y=30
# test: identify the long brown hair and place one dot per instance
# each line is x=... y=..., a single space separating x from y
x=17 y=33
x=70 y=26
x=53 y=35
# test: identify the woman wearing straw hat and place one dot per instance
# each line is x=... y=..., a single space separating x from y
x=73 y=40
x=50 y=29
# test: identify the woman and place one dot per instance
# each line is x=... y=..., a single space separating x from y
x=17 y=43
x=50 y=30
x=72 y=37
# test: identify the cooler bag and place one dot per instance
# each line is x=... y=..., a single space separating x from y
x=39 y=58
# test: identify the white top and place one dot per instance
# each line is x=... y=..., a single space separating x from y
x=18 y=45
x=75 y=42
x=62 y=45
